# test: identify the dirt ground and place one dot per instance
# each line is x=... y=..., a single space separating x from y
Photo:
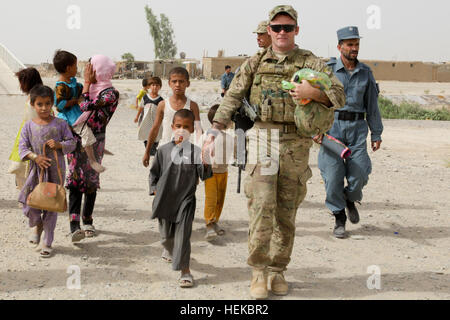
x=404 y=229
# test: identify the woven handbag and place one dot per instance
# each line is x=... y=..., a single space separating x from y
x=48 y=195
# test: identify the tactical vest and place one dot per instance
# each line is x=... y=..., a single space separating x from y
x=277 y=105
x=266 y=92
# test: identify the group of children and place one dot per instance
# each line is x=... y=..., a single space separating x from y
x=167 y=128
x=41 y=129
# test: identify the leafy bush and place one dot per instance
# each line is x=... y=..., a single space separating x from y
x=410 y=111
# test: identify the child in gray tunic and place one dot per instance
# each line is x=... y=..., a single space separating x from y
x=174 y=177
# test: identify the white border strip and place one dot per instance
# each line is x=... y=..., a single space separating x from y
x=10 y=59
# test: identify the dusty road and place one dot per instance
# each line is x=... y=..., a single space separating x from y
x=404 y=229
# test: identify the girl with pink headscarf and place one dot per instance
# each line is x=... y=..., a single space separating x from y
x=100 y=103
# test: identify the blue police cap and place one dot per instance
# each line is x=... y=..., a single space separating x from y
x=348 y=33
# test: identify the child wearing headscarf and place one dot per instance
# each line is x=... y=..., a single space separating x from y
x=100 y=102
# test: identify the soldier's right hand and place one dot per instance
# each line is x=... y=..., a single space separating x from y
x=208 y=149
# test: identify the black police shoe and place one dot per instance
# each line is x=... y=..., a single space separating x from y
x=339 y=228
x=353 y=214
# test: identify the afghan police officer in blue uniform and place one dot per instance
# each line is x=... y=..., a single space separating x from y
x=351 y=126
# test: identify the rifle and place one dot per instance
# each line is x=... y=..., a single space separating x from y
x=244 y=120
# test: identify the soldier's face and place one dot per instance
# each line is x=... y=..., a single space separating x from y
x=349 y=49
x=264 y=40
x=283 y=41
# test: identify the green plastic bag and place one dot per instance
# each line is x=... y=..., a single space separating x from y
x=317 y=79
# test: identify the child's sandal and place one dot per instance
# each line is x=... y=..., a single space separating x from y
x=166 y=256
x=211 y=234
x=46 y=252
x=78 y=235
x=220 y=231
x=89 y=230
x=186 y=281
x=35 y=237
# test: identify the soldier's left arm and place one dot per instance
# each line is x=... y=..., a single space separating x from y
x=335 y=93
x=373 y=111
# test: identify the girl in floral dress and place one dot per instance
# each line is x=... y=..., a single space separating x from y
x=101 y=100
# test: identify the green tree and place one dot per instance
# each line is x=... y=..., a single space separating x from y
x=129 y=58
x=169 y=48
x=162 y=33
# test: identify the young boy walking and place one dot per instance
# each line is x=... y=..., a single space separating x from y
x=216 y=187
x=174 y=176
x=178 y=82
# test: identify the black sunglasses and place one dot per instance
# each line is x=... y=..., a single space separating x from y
x=286 y=27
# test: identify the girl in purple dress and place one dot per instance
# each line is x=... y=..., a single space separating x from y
x=56 y=134
x=100 y=101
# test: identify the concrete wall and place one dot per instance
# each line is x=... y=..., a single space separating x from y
x=443 y=73
x=409 y=71
x=162 y=68
x=214 y=67
x=413 y=71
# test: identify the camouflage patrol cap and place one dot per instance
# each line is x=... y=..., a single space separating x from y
x=283 y=9
x=262 y=27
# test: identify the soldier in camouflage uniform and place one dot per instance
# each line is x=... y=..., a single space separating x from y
x=275 y=195
x=263 y=38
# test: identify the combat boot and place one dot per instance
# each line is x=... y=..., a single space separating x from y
x=258 y=286
x=353 y=213
x=278 y=284
x=339 y=228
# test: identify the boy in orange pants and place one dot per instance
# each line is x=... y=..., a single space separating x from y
x=216 y=187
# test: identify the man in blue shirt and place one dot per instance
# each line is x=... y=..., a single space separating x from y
x=226 y=79
x=351 y=126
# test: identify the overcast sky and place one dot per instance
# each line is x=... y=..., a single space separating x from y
x=33 y=30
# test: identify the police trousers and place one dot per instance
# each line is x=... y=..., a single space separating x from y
x=355 y=170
